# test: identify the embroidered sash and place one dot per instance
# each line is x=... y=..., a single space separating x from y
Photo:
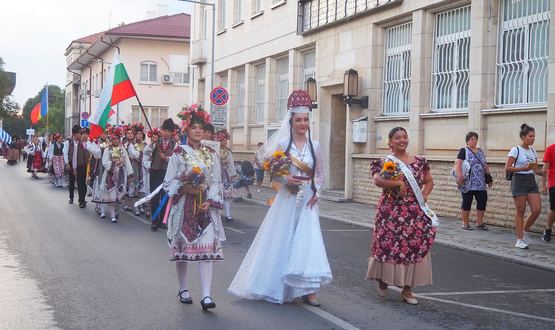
x=417 y=192
x=301 y=165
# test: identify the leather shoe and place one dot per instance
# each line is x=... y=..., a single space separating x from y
x=207 y=305
x=409 y=300
x=185 y=300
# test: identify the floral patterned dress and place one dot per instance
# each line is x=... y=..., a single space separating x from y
x=403 y=235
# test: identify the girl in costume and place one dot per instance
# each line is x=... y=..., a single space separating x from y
x=56 y=158
x=135 y=151
x=228 y=171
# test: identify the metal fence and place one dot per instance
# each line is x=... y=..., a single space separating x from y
x=397 y=70
x=523 y=53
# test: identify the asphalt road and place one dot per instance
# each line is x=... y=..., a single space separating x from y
x=63 y=267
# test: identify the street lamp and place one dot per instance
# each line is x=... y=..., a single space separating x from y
x=350 y=89
x=311 y=89
x=213 y=5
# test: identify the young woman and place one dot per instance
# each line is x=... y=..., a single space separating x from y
x=36 y=150
x=135 y=151
x=474 y=184
x=228 y=172
x=287 y=259
x=153 y=135
x=195 y=231
x=403 y=234
x=56 y=158
x=523 y=163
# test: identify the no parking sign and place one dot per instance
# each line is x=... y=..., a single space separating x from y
x=219 y=96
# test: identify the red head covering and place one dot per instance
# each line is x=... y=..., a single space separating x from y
x=221 y=135
x=299 y=101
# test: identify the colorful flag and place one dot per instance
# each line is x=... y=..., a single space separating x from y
x=5 y=137
x=41 y=109
x=117 y=88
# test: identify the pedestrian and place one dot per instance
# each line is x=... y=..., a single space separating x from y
x=117 y=173
x=161 y=154
x=135 y=151
x=208 y=139
x=76 y=158
x=473 y=184
x=56 y=156
x=287 y=259
x=522 y=162
x=245 y=174
x=195 y=231
x=30 y=152
x=96 y=149
x=548 y=187
x=153 y=135
x=38 y=156
x=229 y=174
x=259 y=171
x=127 y=142
x=403 y=234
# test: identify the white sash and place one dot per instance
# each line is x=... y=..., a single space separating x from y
x=417 y=192
x=195 y=159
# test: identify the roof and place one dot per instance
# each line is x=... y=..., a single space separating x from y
x=89 y=39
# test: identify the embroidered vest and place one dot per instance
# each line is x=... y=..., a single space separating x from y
x=82 y=154
x=157 y=162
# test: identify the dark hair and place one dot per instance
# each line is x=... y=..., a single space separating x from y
x=470 y=135
x=209 y=128
x=395 y=130
x=525 y=130
x=312 y=185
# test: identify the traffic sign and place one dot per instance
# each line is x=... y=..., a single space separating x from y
x=84 y=123
x=85 y=115
x=219 y=116
x=219 y=96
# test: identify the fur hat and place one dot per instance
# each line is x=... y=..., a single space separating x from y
x=75 y=129
x=168 y=124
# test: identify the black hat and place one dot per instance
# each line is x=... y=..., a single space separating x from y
x=76 y=129
x=168 y=124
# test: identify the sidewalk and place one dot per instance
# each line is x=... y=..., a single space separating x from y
x=497 y=242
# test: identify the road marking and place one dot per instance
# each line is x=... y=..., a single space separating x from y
x=146 y=222
x=329 y=317
x=235 y=230
x=483 y=292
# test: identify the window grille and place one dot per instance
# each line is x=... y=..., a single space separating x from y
x=397 y=70
x=237 y=11
x=156 y=115
x=451 y=66
x=523 y=53
x=256 y=6
x=282 y=88
x=240 y=97
x=308 y=67
x=260 y=90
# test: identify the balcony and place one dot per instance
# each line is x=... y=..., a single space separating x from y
x=314 y=15
x=200 y=50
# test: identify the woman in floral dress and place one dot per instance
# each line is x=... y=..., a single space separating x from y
x=403 y=234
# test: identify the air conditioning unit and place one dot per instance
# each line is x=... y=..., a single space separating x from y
x=167 y=79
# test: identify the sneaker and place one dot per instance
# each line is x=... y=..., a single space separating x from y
x=259 y=190
x=102 y=215
x=467 y=227
x=526 y=237
x=521 y=244
x=114 y=220
x=546 y=236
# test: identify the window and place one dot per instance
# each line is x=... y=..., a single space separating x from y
x=237 y=11
x=397 y=70
x=282 y=88
x=451 y=63
x=149 y=72
x=256 y=6
x=523 y=52
x=156 y=115
x=308 y=69
x=260 y=85
x=181 y=78
x=179 y=68
x=221 y=15
x=240 y=97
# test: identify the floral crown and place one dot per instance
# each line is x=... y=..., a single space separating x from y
x=114 y=131
x=137 y=127
x=153 y=131
x=193 y=113
x=221 y=135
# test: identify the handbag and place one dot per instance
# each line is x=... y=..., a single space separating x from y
x=487 y=177
x=509 y=175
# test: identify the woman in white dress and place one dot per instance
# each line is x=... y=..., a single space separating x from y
x=287 y=258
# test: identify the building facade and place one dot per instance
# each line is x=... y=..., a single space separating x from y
x=155 y=53
x=439 y=68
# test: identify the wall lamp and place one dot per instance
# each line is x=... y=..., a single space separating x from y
x=350 y=90
x=311 y=89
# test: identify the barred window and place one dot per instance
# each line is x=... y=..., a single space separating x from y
x=451 y=66
x=308 y=69
x=240 y=97
x=260 y=100
x=282 y=84
x=523 y=53
x=221 y=14
x=397 y=70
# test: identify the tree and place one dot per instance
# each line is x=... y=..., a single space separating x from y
x=56 y=110
x=7 y=106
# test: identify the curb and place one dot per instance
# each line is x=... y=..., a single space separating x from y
x=439 y=241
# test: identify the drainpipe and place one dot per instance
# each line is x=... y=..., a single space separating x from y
x=110 y=44
x=90 y=80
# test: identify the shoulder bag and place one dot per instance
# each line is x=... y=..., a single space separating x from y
x=509 y=175
x=487 y=176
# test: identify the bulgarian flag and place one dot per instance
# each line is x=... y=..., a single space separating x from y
x=117 y=88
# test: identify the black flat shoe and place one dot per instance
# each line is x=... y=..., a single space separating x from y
x=229 y=219
x=187 y=300
x=70 y=201
x=163 y=226
x=154 y=228
x=209 y=305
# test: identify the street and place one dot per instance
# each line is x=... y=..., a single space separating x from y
x=73 y=270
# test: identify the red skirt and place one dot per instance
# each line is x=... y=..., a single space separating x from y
x=37 y=162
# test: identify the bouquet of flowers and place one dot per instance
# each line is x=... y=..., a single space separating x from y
x=390 y=171
x=193 y=180
x=278 y=164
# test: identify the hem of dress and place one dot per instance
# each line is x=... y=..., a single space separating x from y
x=191 y=259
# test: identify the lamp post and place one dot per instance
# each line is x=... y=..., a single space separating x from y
x=350 y=89
x=312 y=91
x=212 y=75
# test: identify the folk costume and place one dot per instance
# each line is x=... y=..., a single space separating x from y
x=76 y=158
x=154 y=135
x=287 y=258
x=228 y=173
x=160 y=156
x=97 y=149
x=56 y=159
x=193 y=177
x=135 y=151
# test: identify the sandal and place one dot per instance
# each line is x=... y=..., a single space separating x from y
x=482 y=226
x=467 y=227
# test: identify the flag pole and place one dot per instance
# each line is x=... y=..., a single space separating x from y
x=143 y=111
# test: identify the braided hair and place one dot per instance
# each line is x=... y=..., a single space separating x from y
x=288 y=149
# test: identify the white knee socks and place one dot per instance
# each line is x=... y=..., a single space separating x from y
x=227 y=208
x=205 y=270
x=181 y=268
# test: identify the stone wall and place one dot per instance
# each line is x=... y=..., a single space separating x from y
x=445 y=199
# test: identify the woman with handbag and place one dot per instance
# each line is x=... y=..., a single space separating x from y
x=474 y=183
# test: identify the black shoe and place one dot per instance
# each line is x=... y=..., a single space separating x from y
x=210 y=304
x=229 y=219
x=163 y=226
x=154 y=228
x=70 y=201
x=187 y=300
x=546 y=236
x=82 y=205
x=249 y=196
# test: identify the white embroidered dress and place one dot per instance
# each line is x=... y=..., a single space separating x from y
x=287 y=258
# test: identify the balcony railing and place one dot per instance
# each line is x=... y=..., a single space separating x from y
x=317 y=14
x=199 y=51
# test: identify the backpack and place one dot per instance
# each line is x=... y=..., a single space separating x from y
x=247 y=169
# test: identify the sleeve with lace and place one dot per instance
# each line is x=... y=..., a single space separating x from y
x=215 y=190
x=133 y=152
x=320 y=172
x=94 y=149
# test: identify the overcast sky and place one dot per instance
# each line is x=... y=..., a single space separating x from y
x=35 y=33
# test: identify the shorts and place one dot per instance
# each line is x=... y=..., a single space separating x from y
x=552 y=198
x=481 y=200
x=242 y=183
x=259 y=174
x=524 y=184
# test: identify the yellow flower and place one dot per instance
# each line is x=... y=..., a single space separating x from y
x=389 y=166
x=278 y=154
x=266 y=165
x=197 y=170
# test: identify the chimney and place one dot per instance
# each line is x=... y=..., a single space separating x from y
x=162 y=9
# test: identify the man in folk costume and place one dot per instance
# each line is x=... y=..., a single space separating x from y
x=135 y=151
x=193 y=182
x=160 y=156
x=127 y=140
x=76 y=158
x=117 y=172
x=56 y=158
x=96 y=149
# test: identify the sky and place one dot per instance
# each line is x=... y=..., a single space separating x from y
x=35 y=33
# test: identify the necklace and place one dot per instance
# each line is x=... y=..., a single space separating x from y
x=302 y=153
